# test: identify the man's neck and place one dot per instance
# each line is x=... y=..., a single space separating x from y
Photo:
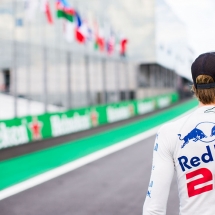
x=202 y=105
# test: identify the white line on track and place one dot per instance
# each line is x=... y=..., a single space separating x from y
x=77 y=163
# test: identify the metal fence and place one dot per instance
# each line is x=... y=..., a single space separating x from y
x=66 y=79
x=40 y=71
x=38 y=64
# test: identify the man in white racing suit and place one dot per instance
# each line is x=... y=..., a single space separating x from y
x=187 y=146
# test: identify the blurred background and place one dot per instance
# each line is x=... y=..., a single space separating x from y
x=74 y=69
x=42 y=61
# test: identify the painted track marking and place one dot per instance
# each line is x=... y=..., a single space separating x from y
x=15 y=189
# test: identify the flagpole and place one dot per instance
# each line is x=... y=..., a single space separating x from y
x=104 y=80
x=87 y=58
x=68 y=79
x=87 y=67
x=117 y=78
x=126 y=67
x=44 y=54
x=28 y=69
x=45 y=73
x=57 y=50
x=14 y=59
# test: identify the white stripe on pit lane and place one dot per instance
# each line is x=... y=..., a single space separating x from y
x=32 y=182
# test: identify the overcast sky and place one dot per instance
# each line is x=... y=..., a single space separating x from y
x=199 y=17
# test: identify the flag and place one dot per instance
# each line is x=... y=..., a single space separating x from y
x=81 y=29
x=99 y=38
x=45 y=7
x=123 y=47
x=78 y=19
x=110 y=43
x=69 y=31
x=30 y=9
x=89 y=36
x=89 y=33
x=64 y=10
x=82 y=33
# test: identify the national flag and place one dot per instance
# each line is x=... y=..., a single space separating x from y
x=123 y=47
x=83 y=32
x=69 y=31
x=110 y=43
x=45 y=7
x=30 y=9
x=78 y=19
x=81 y=29
x=99 y=38
x=89 y=33
x=100 y=43
x=79 y=36
x=64 y=10
x=89 y=37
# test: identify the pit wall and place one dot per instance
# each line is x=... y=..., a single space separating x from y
x=30 y=128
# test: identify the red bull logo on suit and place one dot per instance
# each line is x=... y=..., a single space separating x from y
x=196 y=178
x=204 y=132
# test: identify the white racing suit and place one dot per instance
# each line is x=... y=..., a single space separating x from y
x=187 y=146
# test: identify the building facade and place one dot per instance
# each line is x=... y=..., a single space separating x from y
x=37 y=62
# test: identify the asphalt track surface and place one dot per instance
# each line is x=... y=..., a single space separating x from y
x=114 y=185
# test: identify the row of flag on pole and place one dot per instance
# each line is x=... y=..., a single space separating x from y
x=78 y=29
